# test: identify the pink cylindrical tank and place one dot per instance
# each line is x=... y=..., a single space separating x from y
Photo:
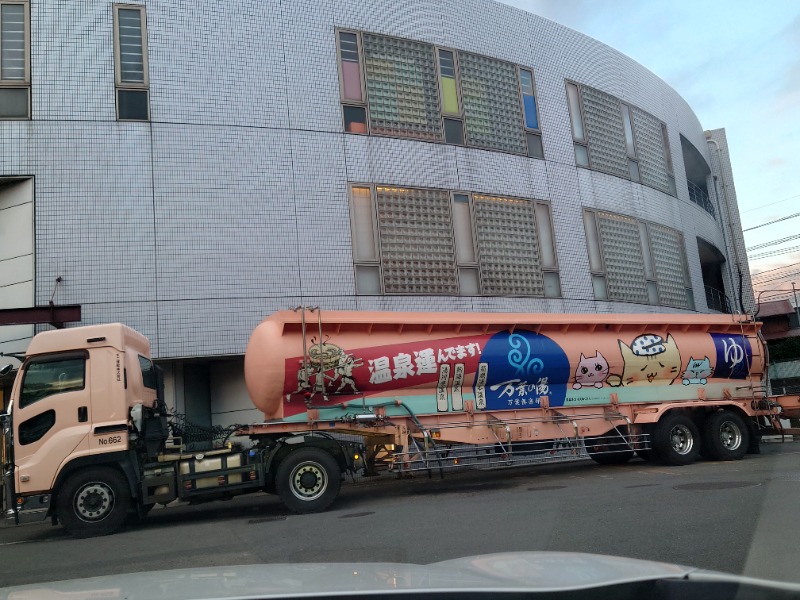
x=438 y=362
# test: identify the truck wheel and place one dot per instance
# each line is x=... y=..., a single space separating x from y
x=93 y=502
x=676 y=439
x=608 y=450
x=308 y=480
x=726 y=436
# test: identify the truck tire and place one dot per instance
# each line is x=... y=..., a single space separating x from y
x=93 y=502
x=608 y=450
x=676 y=439
x=308 y=480
x=725 y=436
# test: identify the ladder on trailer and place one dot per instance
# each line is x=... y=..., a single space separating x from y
x=318 y=388
x=757 y=382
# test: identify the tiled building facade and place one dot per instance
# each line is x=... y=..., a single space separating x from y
x=189 y=167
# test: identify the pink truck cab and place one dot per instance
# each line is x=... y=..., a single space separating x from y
x=81 y=398
x=87 y=442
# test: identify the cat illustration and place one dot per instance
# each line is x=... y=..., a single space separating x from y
x=697 y=371
x=592 y=371
x=649 y=359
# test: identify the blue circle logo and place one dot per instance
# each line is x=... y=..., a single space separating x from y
x=521 y=368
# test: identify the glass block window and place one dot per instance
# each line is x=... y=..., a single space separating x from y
x=402 y=88
x=621 y=247
x=667 y=250
x=605 y=132
x=635 y=261
x=617 y=138
x=14 y=60
x=490 y=98
x=416 y=240
x=508 y=247
x=432 y=241
x=650 y=150
x=130 y=57
x=408 y=89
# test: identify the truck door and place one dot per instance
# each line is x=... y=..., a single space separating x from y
x=51 y=417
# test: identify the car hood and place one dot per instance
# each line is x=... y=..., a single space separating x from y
x=540 y=572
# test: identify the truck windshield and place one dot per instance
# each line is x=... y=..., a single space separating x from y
x=49 y=376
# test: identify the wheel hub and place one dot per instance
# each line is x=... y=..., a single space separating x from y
x=309 y=481
x=730 y=436
x=94 y=501
x=681 y=439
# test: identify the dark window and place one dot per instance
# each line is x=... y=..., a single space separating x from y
x=34 y=428
x=355 y=119
x=14 y=103
x=453 y=131
x=148 y=373
x=535 y=149
x=132 y=105
x=46 y=377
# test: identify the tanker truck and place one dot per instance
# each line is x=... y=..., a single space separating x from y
x=86 y=441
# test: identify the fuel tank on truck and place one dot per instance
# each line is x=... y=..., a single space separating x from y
x=449 y=362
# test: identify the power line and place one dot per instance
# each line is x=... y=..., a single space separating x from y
x=776 y=252
x=775 y=243
x=778 y=278
x=771 y=222
x=770 y=204
x=760 y=273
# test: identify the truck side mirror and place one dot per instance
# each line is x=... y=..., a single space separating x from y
x=6 y=369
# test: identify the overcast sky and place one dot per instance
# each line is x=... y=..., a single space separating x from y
x=737 y=64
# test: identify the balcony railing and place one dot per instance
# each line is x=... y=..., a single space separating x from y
x=700 y=197
x=716 y=300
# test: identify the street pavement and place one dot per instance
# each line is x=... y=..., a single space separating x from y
x=740 y=517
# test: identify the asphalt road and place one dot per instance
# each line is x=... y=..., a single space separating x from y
x=739 y=517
